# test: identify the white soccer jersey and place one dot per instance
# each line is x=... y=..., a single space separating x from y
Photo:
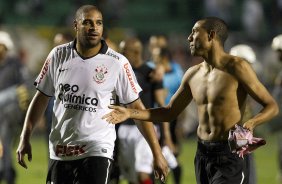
x=83 y=90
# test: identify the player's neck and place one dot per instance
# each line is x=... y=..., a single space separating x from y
x=88 y=52
x=215 y=58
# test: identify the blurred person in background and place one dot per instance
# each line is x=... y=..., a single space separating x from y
x=277 y=94
x=14 y=99
x=1 y=150
x=135 y=157
x=277 y=47
x=156 y=42
x=253 y=19
x=109 y=41
x=172 y=77
x=84 y=76
x=62 y=38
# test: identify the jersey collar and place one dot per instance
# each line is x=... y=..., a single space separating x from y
x=103 y=49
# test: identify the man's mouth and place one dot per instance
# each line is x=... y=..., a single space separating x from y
x=92 y=35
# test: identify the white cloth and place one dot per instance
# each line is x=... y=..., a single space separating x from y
x=134 y=153
x=83 y=90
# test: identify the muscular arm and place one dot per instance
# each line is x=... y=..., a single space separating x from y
x=247 y=77
x=178 y=102
x=34 y=113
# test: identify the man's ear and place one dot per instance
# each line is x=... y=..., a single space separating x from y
x=212 y=34
x=75 y=25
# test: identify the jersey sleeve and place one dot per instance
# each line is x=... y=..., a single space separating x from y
x=127 y=87
x=44 y=81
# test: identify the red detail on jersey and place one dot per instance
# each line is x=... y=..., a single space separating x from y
x=69 y=150
x=129 y=75
x=44 y=70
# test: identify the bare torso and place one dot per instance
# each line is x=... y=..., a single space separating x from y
x=220 y=101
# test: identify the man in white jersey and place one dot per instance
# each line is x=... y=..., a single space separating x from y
x=84 y=76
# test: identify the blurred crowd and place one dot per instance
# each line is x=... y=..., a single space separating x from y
x=23 y=50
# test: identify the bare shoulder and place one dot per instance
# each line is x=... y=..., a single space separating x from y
x=193 y=69
x=191 y=72
x=237 y=66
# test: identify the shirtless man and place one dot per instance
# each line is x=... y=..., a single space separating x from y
x=219 y=86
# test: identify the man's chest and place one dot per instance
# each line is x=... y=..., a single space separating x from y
x=86 y=76
x=212 y=86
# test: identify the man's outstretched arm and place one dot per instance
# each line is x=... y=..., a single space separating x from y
x=177 y=104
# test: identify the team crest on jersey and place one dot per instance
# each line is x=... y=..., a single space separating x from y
x=100 y=74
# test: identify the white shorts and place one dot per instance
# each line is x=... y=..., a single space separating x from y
x=134 y=153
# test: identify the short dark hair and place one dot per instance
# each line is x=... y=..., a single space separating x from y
x=218 y=25
x=85 y=8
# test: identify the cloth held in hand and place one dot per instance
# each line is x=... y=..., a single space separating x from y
x=242 y=141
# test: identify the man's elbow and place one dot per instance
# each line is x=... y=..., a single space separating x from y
x=275 y=109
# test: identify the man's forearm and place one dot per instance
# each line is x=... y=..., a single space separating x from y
x=140 y=114
x=34 y=113
x=266 y=114
x=159 y=114
x=30 y=122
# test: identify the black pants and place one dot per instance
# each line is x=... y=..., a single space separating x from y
x=90 y=170
x=216 y=164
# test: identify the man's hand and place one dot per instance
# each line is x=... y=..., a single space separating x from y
x=118 y=115
x=160 y=168
x=249 y=125
x=24 y=148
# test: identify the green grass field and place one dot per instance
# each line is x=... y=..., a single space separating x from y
x=266 y=162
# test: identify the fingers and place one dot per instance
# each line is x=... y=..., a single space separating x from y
x=110 y=118
x=29 y=157
x=20 y=158
x=114 y=116
x=106 y=116
x=161 y=173
x=113 y=107
x=160 y=176
x=156 y=174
